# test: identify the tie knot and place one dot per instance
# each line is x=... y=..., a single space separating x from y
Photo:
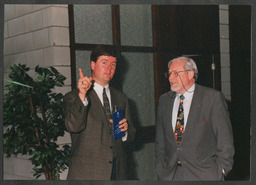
x=104 y=90
x=182 y=97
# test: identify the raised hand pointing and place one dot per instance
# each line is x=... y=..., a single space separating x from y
x=84 y=84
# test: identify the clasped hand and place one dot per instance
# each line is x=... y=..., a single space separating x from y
x=122 y=124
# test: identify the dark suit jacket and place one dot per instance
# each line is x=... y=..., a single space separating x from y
x=92 y=140
x=207 y=144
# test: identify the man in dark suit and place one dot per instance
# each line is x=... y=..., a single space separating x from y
x=194 y=139
x=95 y=153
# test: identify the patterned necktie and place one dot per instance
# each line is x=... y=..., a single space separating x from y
x=106 y=105
x=179 y=129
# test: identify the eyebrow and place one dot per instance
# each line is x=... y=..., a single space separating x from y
x=108 y=60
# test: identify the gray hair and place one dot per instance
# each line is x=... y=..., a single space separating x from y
x=189 y=65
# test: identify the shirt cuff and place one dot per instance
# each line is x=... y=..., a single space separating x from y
x=125 y=137
x=224 y=172
x=85 y=102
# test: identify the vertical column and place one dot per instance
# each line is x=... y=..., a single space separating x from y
x=225 y=50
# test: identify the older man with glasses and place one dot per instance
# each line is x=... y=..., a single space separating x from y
x=194 y=139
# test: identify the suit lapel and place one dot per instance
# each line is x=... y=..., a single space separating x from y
x=95 y=99
x=114 y=100
x=106 y=130
x=97 y=103
x=194 y=112
x=169 y=108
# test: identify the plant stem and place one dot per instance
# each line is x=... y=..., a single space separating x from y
x=39 y=143
x=49 y=175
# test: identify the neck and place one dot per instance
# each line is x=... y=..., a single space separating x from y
x=185 y=88
x=101 y=84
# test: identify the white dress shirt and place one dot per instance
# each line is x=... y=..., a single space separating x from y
x=99 y=90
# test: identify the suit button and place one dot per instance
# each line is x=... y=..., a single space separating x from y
x=111 y=147
x=179 y=163
x=110 y=162
x=80 y=108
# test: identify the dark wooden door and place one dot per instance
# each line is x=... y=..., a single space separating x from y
x=186 y=30
x=240 y=108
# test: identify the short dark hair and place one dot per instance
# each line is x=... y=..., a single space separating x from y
x=100 y=50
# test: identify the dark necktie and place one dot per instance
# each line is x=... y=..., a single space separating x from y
x=179 y=129
x=106 y=105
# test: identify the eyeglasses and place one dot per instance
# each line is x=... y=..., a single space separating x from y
x=175 y=73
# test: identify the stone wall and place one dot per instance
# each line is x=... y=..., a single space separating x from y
x=36 y=35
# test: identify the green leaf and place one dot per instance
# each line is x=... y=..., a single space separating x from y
x=40 y=78
x=25 y=130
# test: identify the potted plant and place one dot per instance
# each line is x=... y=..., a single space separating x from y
x=33 y=119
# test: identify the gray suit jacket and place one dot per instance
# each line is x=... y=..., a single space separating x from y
x=207 y=144
x=93 y=146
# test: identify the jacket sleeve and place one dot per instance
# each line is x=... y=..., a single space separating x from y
x=131 y=129
x=224 y=135
x=159 y=141
x=75 y=112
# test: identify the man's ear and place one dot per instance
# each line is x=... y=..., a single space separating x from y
x=92 y=65
x=191 y=74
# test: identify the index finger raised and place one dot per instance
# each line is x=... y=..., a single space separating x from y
x=81 y=73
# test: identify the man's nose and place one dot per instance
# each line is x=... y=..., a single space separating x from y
x=171 y=76
x=109 y=67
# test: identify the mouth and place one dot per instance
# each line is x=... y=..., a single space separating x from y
x=108 y=74
x=172 y=83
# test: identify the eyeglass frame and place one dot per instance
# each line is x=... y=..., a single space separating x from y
x=176 y=73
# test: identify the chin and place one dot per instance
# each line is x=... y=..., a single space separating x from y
x=107 y=80
x=175 y=89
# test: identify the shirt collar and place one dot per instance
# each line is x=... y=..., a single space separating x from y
x=98 y=88
x=189 y=93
